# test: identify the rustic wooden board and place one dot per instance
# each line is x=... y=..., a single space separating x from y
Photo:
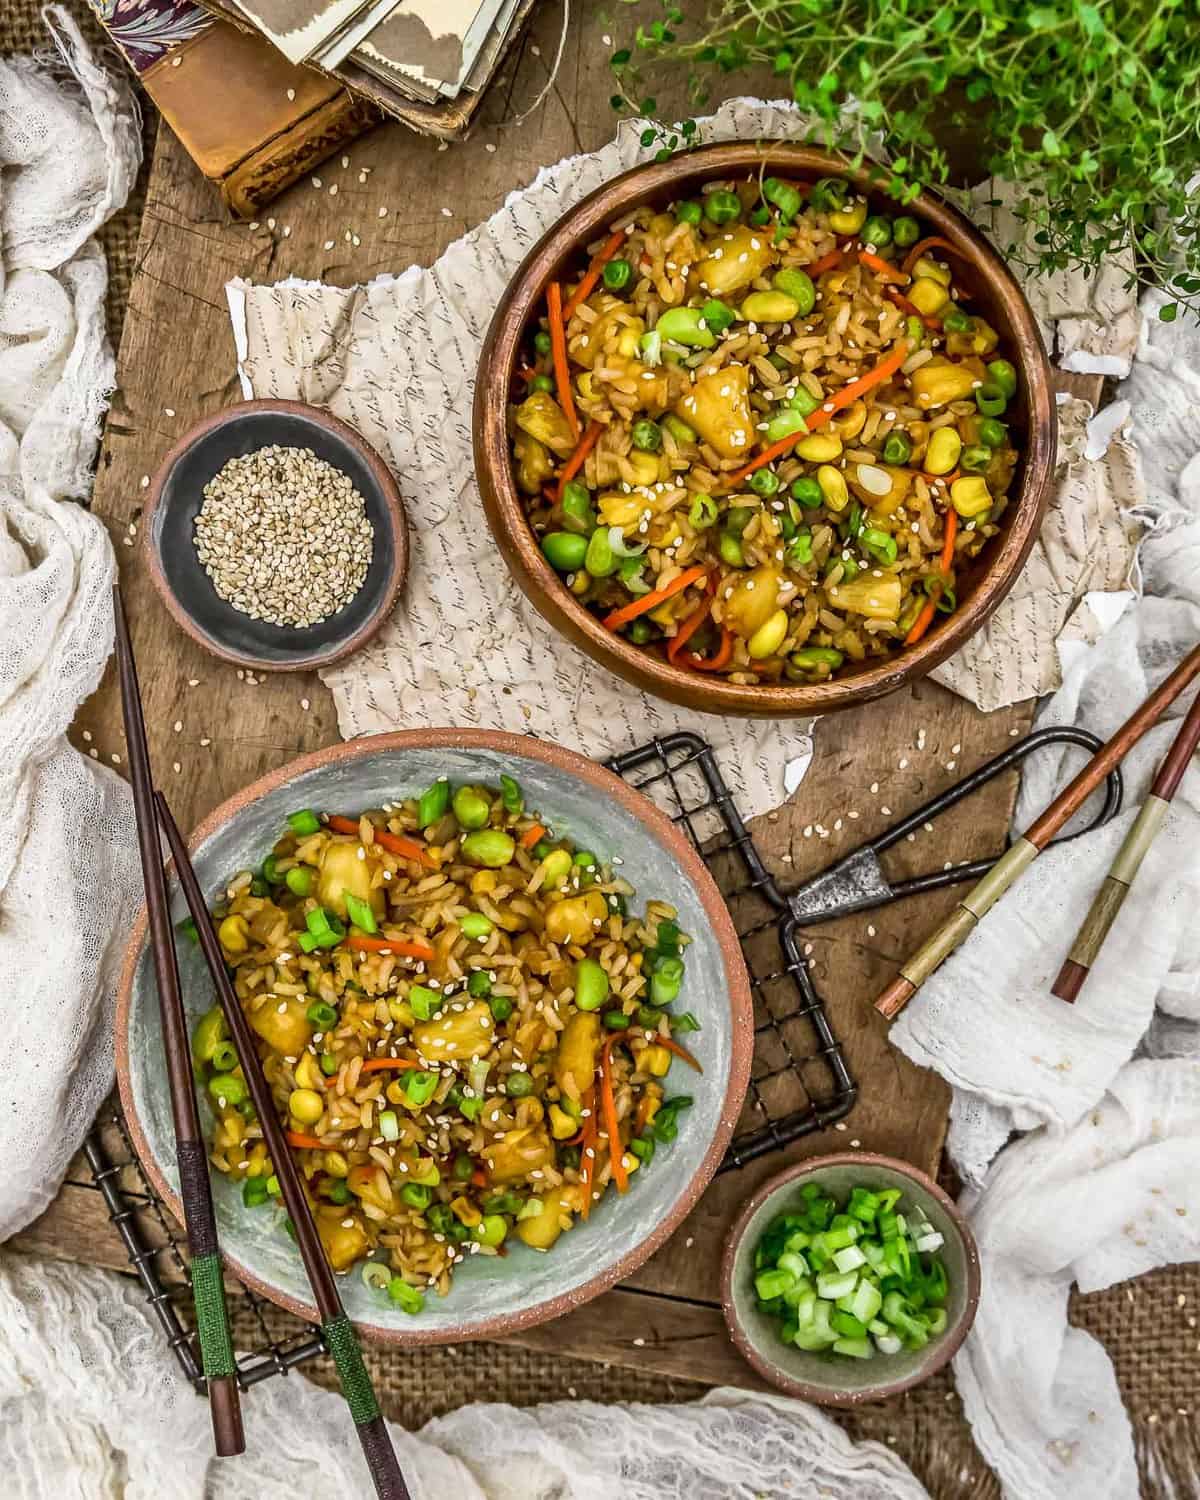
x=212 y=729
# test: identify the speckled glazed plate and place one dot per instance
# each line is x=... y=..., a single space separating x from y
x=490 y=1296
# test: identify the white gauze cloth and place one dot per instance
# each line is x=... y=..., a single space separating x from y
x=1106 y=1186
x=116 y=1418
x=69 y=152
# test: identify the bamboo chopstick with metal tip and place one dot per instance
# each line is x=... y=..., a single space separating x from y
x=1145 y=829
x=1015 y=861
x=208 y=1287
x=340 y=1338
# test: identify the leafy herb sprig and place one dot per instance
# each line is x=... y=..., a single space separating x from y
x=1090 y=107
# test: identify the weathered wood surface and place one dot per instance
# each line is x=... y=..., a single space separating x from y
x=212 y=730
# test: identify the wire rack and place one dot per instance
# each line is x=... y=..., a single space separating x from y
x=799 y=1079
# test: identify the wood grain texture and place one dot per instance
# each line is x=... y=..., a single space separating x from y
x=870 y=766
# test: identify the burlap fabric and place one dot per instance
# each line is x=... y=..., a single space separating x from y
x=1150 y=1327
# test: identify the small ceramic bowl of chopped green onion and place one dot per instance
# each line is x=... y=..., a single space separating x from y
x=849 y=1278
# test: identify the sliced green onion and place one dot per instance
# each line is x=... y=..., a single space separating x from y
x=360 y=913
x=389 y=1125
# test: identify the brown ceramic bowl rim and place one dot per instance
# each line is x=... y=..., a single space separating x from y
x=389 y=493
x=942 y=1352
x=587 y=221
x=659 y=827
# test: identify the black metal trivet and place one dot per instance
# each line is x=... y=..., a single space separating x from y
x=799 y=1080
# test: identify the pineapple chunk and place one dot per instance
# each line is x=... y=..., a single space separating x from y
x=740 y=256
x=876 y=598
x=542 y=418
x=752 y=601
x=718 y=407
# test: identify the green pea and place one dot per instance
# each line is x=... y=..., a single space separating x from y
x=500 y=1006
x=688 y=212
x=678 y=428
x=617 y=275
x=954 y=320
x=615 y=1020
x=434 y=803
x=702 y=512
x=578 y=515
x=807 y=492
x=880 y=544
x=797 y=284
x=906 y=231
x=876 y=231
x=259 y=887
x=564 y=551
x=491 y=1230
x=803 y=401
x=542 y=848
x=416 y=1195
x=518 y=1085
x=321 y=1015
x=784 y=423
x=503 y=1203
x=809 y=658
x=993 y=433
x=542 y=341
x=1003 y=374
x=686 y=325
x=799 y=551
x=739 y=517
x=784 y=196
x=640 y=631
x=723 y=206
x=463 y=1167
x=974 y=459
x=490 y=847
x=475 y=925
x=764 y=481
x=478 y=984
x=541 y=383
x=471 y=808
x=897 y=449
x=647 y=436
x=228 y=1089
x=591 y=984
x=600 y=560
x=717 y=315
x=990 y=399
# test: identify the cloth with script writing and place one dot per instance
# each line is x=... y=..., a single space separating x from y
x=396 y=358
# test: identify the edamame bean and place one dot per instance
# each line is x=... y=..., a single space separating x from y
x=769 y=307
x=491 y=1230
x=678 y=428
x=228 y=1088
x=600 y=560
x=471 y=807
x=564 y=551
x=490 y=847
x=578 y=515
x=798 y=285
x=954 y=320
x=299 y=880
x=813 y=658
x=686 y=325
x=880 y=544
x=730 y=551
x=784 y=423
x=591 y=984
x=738 y=518
x=803 y=401
x=475 y=925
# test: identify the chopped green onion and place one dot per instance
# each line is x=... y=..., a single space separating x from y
x=423 y=1002
x=360 y=913
x=419 y=1085
x=389 y=1125
x=404 y=1296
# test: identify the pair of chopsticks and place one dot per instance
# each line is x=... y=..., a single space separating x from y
x=195 y=1190
x=1012 y=865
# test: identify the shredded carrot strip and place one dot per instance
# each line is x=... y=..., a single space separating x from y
x=359 y=942
x=910 y=308
x=612 y=1127
x=882 y=268
x=716 y=663
x=303 y=1142
x=848 y=394
x=381 y=1064
x=945 y=562
x=935 y=241
x=558 y=352
x=825 y=263
x=576 y=461
x=593 y=273
x=479 y=1178
x=689 y=627
x=394 y=843
x=649 y=601
x=679 y=1050
x=531 y=835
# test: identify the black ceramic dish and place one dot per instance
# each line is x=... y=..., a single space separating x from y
x=175 y=499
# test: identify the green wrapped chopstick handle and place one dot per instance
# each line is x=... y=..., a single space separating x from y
x=342 y=1343
x=208 y=1296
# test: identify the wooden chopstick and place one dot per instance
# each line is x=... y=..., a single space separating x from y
x=1015 y=861
x=195 y=1191
x=1145 y=829
x=340 y=1338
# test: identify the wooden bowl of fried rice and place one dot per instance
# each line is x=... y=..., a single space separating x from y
x=471 y=1242
x=563 y=432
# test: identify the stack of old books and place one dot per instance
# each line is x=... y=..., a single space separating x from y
x=260 y=91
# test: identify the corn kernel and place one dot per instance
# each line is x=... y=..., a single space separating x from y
x=484 y=882
x=465 y=1212
x=627 y=342
x=942 y=454
x=849 y=220
x=630 y=1162
x=833 y=487
x=585 y=384
x=970 y=496
x=819 y=447
x=928 y=296
x=308 y=1074
x=234 y=933
x=768 y=638
x=935 y=384
x=655 y=1060
x=645 y=469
